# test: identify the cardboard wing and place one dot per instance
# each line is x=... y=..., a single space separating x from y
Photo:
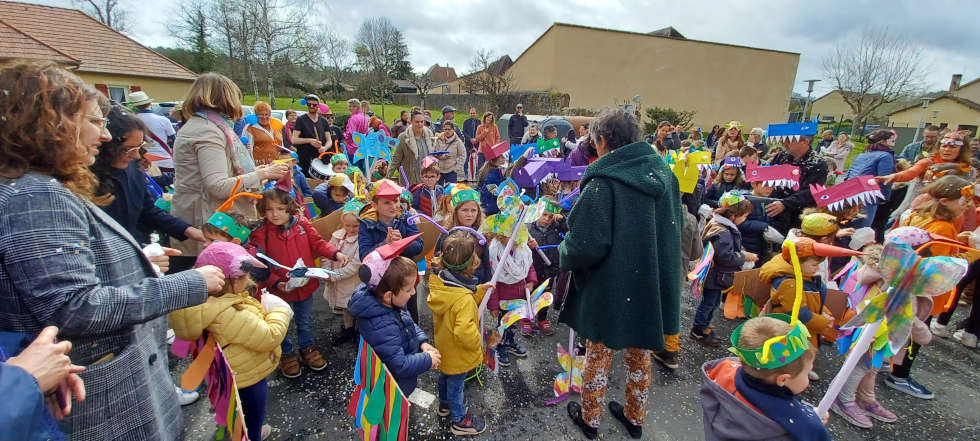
x=748 y=284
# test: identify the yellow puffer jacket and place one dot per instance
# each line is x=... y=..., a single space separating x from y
x=457 y=328
x=783 y=296
x=248 y=336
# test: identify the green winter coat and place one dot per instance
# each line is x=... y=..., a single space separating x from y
x=624 y=250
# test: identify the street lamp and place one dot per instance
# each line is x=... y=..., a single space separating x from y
x=809 y=91
x=922 y=124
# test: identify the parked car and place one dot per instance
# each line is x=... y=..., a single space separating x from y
x=164 y=109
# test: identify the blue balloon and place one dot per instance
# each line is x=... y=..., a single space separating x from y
x=244 y=140
x=302 y=101
x=252 y=119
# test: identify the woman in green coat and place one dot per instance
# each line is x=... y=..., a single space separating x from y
x=623 y=250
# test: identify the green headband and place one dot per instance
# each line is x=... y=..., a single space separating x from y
x=227 y=224
x=777 y=351
x=459 y=267
x=465 y=195
x=551 y=207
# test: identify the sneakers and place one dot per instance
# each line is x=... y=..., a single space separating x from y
x=878 y=412
x=618 y=411
x=939 y=330
x=345 y=335
x=503 y=357
x=546 y=328
x=909 y=386
x=186 y=397
x=575 y=413
x=444 y=409
x=707 y=339
x=851 y=413
x=965 y=338
x=667 y=358
x=526 y=329
x=312 y=359
x=469 y=426
x=516 y=349
x=813 y=376
x=289 y=365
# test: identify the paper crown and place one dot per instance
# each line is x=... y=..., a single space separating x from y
x=777 y=351
x=733 y=124
x=376 y=263
x=549 y=206
x=461 y=193
x=496 y=150
x=791 y=131
x=730 y=198
x=429 y=161
x=859 y=190
x=819 y=224
x=341 y=181
x=225 y=222
x=732 y=162
x=386 y=189
x=776 y=176
x=352 y=170
x=547 y=144
x=230 y=257
x=806 y=247
x=569 y=173
x=532 y=174
x=354 y=206
x=518 y=150
x=337 y=157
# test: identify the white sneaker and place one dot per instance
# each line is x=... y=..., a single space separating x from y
x=965 y=338
x=186 y=397
x=939 y=330
x=813 y=376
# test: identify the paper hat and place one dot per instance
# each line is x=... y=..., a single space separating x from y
x=154 y=158
x=230 y=257
x=806 y=247
x=495 y=151
x=376 y=263
x=859 y=190
x=285 y=183
x=732 y=161
x=547 y=144
x=571 y=174
x=429 y=161
x=688 y=169
x=776 y=176
x=461 y=193
x=386 y=189
x=730 y=198
x=354 y=206
x=406 y=195
x=225 y=222
x=341 y=181
x=791 y=131
x=337 y=157
x=777 y=351
x=819 y=224
x=532 y=174
x=733 y=124
x=518 y=150
x=549 y=206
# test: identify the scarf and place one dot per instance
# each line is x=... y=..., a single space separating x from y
x=241 y=160
x=516 y=267
x=879 y=147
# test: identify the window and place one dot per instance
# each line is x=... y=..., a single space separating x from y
x=117 y=93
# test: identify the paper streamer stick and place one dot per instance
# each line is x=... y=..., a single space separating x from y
x=500 y=265
x=858 y=351
x=569 y=197
x=798 y=278
x=545 y=259
x=404 y=176
x=483 y=240
x=414 y=219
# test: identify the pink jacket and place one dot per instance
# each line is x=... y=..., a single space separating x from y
x=357 y=123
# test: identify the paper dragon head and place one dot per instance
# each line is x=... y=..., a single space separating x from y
x=688 y=168
x=462 y=193
x=791 y=131
x=776 y=176
x=732 y=162
x=495 y=151
x=859 y=190
x=777 y=351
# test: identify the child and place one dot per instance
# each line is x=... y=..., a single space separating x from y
x=331 y=196
x=729 y=178
x=456 y=326
x=748 y=155
x=379 y=169
x=516 y=276
x=746 y=399
x=425 y=196
x=378 y=305
x=383 y=223
x=490 y=176
x=226 y=227
x=338 y=163
x=754 y=229
x=823 y=228
x=248 y=332
x=340 y=287
x=466 y=212
x=722 y=232
x=287 y=238
x=444 y=208
x=547 y=230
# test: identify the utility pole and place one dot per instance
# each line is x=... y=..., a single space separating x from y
x=809 y=91
x=922 y=124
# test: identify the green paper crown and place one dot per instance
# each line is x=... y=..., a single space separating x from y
x=353 y=206
x=730 y=198
x=337 y=157
x=778 y=351
x=227 y=224
x=550 y=207
x=543 y=145
x=465 y=195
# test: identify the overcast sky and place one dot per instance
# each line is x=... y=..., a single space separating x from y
x=440 y=31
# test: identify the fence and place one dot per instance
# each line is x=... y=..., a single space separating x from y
x=538 y=103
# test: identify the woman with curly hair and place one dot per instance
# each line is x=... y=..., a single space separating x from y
x=66 y=263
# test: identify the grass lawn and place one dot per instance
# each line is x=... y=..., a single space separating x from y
x=391 y=111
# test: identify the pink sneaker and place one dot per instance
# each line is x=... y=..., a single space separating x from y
x=851 y=413
x=878 y=412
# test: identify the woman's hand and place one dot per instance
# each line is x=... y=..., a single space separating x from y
x=271 y=172
x=845 y=232
x=885 y=180
x=46 y=360
x=163 y=262
x=775 y=208
x=195 y=234
x=214 y=278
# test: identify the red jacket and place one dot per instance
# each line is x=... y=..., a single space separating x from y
x=286 y=246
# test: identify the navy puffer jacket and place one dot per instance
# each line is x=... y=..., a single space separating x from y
x=393 y=335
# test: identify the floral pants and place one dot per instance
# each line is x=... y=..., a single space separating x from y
x=598 y=359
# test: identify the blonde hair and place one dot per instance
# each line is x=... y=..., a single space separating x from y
x=754 y=334
x=213 y=91
x=354 y=102
x=260 y=106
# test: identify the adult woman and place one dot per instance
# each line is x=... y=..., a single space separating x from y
x=715 y=135
x=66 y=263
x=628 y=216
x=450 y=165
x=414 y=144
x=264 y=138
x=532 y=134
x=730 y=141
x=838 y=150
x=951 y=158
x=584 y=154
x=878 y=159
x=487 y=134
x=209 y=158
x=287 y=130
x=122 y=189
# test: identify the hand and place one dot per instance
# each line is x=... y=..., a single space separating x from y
x=195 y=234
x=559 y=218
x=678 y=129
x=845 y=232
x=341 y=259
x=885 y=180
x=271 y=172
x=531 y=243
x=775 y=208
x=213 y=278
x=72 y=384
x=271 y=301
x=317 y=144
x=750 y=257
x=473 y=141
x=322 y=149
x=46 y=360
x=486 y=286
x=436 y=359
x=281 y=286
x=425 y=347
x=163 y=262
x=825 y=418
x=393 y=235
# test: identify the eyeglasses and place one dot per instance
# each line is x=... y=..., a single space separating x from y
x=98 y=120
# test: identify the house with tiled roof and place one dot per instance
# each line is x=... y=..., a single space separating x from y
x=957 y=108
x=112 y=62
x=441 y=74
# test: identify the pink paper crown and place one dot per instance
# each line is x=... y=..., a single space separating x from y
x=859 y=190
x=776 y=176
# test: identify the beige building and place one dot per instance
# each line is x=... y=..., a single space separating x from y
x=833 y=105
x=958 y=108
x=721 y=82
x=112 y=62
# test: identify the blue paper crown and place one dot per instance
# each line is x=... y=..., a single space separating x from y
x=781 y=131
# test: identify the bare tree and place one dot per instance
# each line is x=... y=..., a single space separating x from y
x=281 y=36
x=422 y=82
x=192 y=27
x=108 y=12
x=879 y=68
x=338 y=60
x=488 y=77
x=382 y=55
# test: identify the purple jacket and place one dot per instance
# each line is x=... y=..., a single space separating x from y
x=578 y=157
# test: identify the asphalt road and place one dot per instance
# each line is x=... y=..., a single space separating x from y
x=314 y=406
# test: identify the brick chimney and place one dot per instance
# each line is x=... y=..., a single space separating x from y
x=955 y=82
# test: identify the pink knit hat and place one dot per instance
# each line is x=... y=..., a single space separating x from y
x=230 y=257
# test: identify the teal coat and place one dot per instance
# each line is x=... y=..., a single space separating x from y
x=623 y=249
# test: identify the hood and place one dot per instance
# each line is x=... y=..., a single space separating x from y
x=369 y=213
x=341 y=235
x=775 y=267
x=637 y=166
x=717 y=225
x=189 y=323
x=728 y=417
x=364 y=305
x=444 y=294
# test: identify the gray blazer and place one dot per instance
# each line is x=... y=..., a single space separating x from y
x=64 y=262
